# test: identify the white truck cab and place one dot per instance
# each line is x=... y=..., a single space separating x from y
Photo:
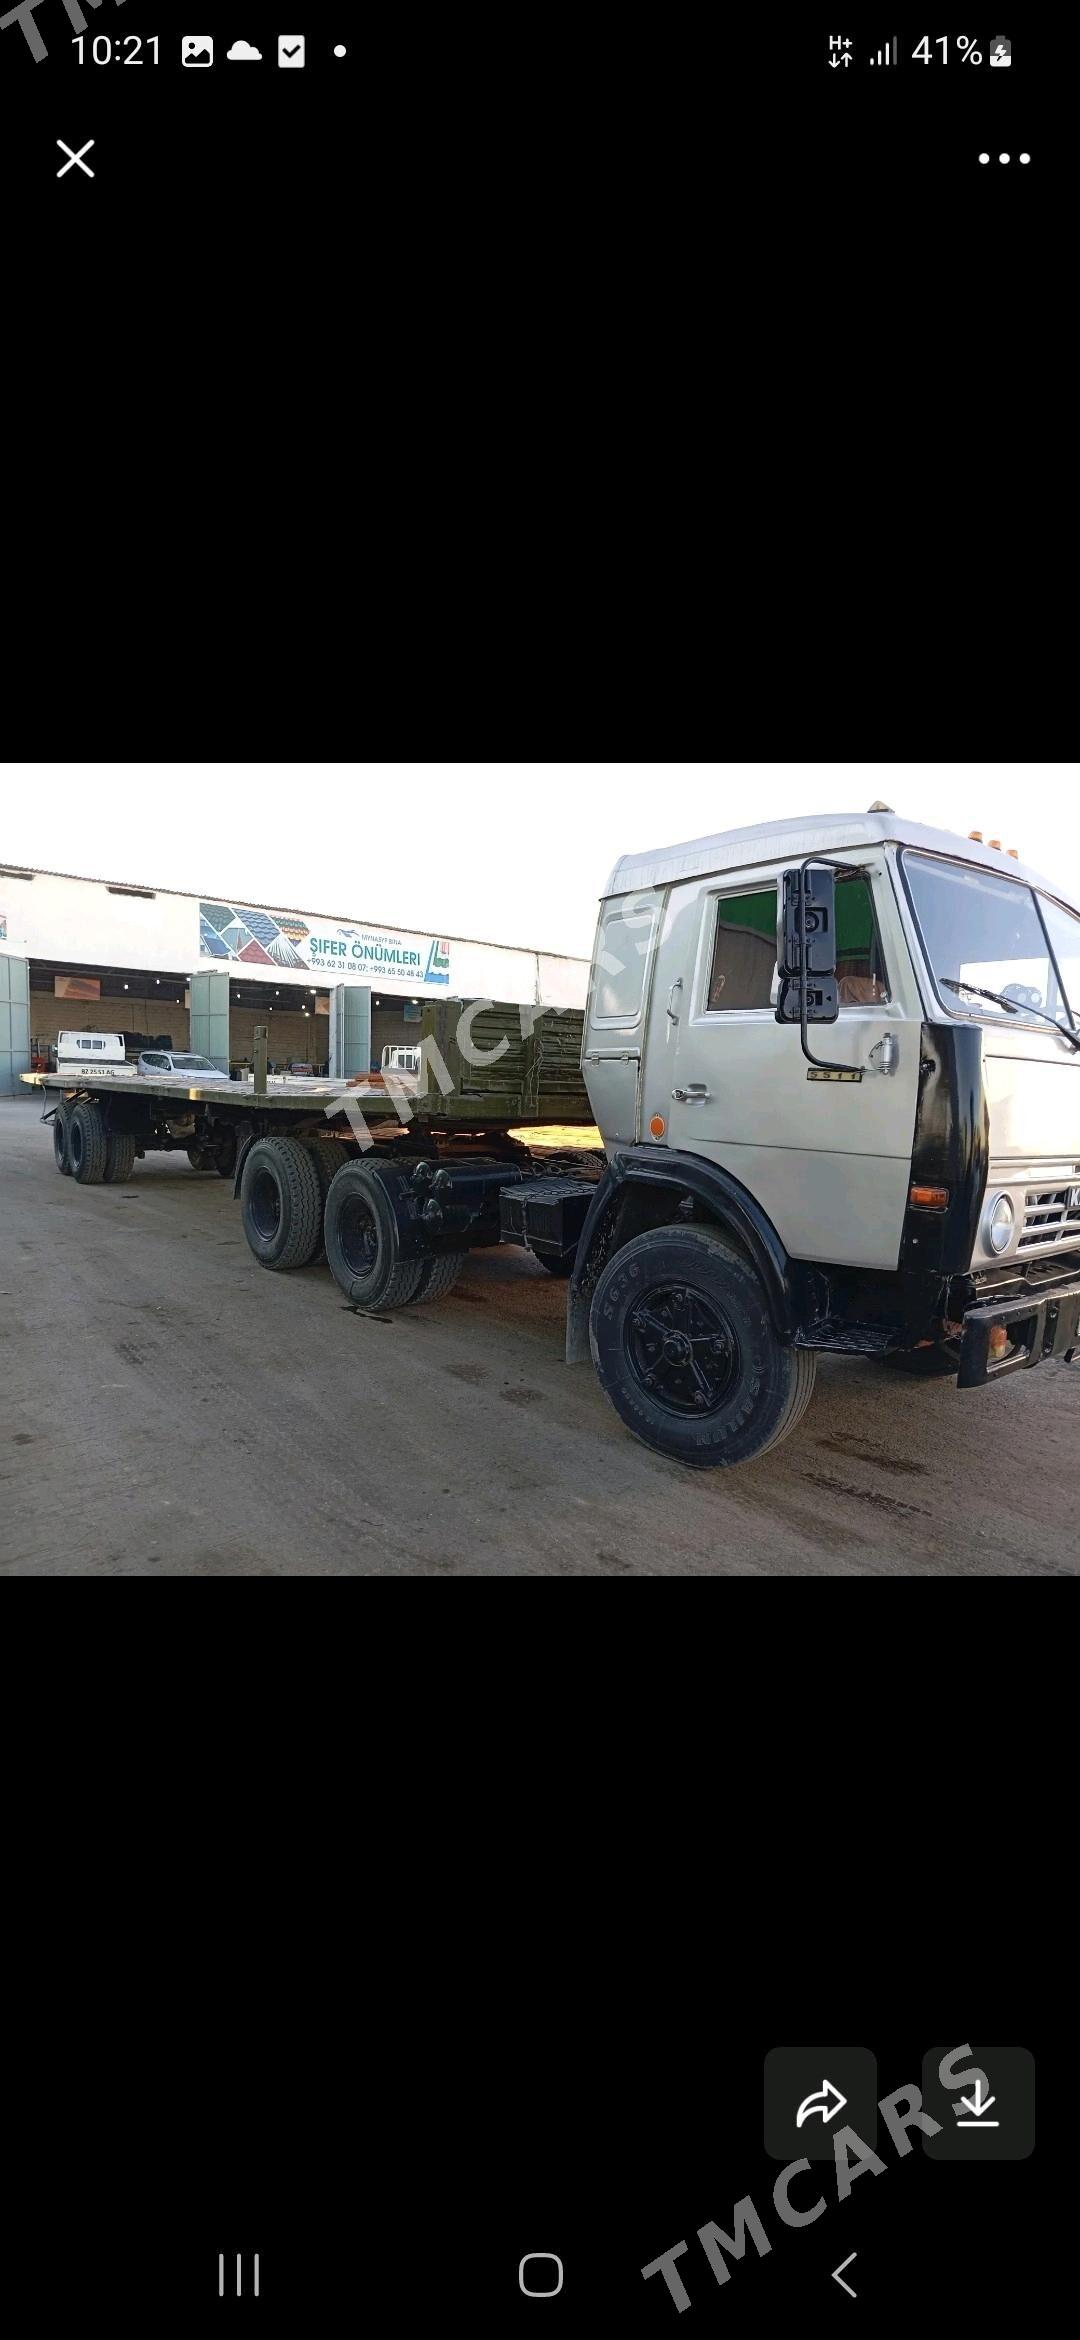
x=397 y=1058
x=835 y=1063
x=84 y=1052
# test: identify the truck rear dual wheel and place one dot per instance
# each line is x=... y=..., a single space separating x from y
x=438 y=1276
x=328 y=1158
x=87 y=1143
x=281 y=1203
x=61 y=1151
x=360 y=1234
x=685 y=1348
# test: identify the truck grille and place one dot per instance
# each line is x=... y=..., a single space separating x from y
x=1051 y=1217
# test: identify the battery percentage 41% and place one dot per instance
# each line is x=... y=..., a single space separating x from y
x=966 y=43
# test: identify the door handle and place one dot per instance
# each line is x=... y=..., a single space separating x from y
x=676 y=986
x=695 y=1093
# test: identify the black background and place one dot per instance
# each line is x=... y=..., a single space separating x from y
x=395 y=1990
x=532 y=371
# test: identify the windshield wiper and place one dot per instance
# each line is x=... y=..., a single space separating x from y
x=1016 y=1007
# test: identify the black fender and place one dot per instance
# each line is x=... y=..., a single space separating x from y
x=242 y=1154
x=721 y=1196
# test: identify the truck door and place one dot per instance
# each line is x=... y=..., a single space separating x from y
x=620 y=986
x=829 y=1161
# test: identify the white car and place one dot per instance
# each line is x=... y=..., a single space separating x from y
x=171 y=1064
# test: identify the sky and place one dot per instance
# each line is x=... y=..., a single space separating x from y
x=511 y=853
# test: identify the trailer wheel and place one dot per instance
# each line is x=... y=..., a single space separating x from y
x=684 y=1346
x=119 y=1158
x=200 y=1157
x=223 y=1153
x=280 y=1203
x=438 y=1276
x=87 y=1143
x=61 y=1149
x=360 y=1234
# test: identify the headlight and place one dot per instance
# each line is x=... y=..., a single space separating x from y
x=998 y=1223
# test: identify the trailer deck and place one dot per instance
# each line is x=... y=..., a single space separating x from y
x=488 y=1065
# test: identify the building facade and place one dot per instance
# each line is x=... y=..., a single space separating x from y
x=85 y=953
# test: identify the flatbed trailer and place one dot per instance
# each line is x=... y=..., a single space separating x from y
x=430 y=1156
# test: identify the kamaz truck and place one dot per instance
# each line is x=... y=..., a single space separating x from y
x=834 y=1065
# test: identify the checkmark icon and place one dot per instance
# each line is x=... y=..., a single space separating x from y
x=291 y=50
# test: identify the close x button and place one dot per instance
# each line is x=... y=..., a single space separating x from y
x=75 y=160
x=811 y=2093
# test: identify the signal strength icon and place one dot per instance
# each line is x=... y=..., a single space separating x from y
x=884 y=57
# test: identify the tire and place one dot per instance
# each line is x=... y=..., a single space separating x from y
x=200 y=1157
x=119 y=1158
x=360 y=1234
x=280 y=1203
x=224 y=1154
x=685 y=1348
x=87 y=1143
x=61 y=1150
x=929 y=1364
x=328 y=1157
x=438 y=1276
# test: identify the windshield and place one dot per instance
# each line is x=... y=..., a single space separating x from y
x=986 y=930
x=193 y=1064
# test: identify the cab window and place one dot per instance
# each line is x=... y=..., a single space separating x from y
x=621 y=960
x=744 y=951
x=861 y=979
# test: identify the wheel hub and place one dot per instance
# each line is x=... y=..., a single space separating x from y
x=682 y=1349
x=358 y=1236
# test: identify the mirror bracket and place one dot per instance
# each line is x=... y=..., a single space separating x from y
x=808 y=963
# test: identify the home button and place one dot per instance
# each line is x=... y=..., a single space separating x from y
x=540 y=2275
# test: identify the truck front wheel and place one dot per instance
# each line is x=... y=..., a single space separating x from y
x=685 y=1348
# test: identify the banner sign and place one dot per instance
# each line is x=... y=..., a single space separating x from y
x=76 y=987
x=281 y=938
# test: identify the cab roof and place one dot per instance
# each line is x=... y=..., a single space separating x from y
x=791 y=840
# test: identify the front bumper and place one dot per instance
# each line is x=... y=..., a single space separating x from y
x=1046 y=1324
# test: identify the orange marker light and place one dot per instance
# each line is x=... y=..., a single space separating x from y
x=996 y=843
x=658 y=1126
x=929 y=1198
x=975 y=836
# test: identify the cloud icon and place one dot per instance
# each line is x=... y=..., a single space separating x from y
x=243 y=53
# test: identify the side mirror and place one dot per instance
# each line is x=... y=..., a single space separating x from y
x=810 y=902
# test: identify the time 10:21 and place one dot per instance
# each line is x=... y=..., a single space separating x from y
x=107 y=52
